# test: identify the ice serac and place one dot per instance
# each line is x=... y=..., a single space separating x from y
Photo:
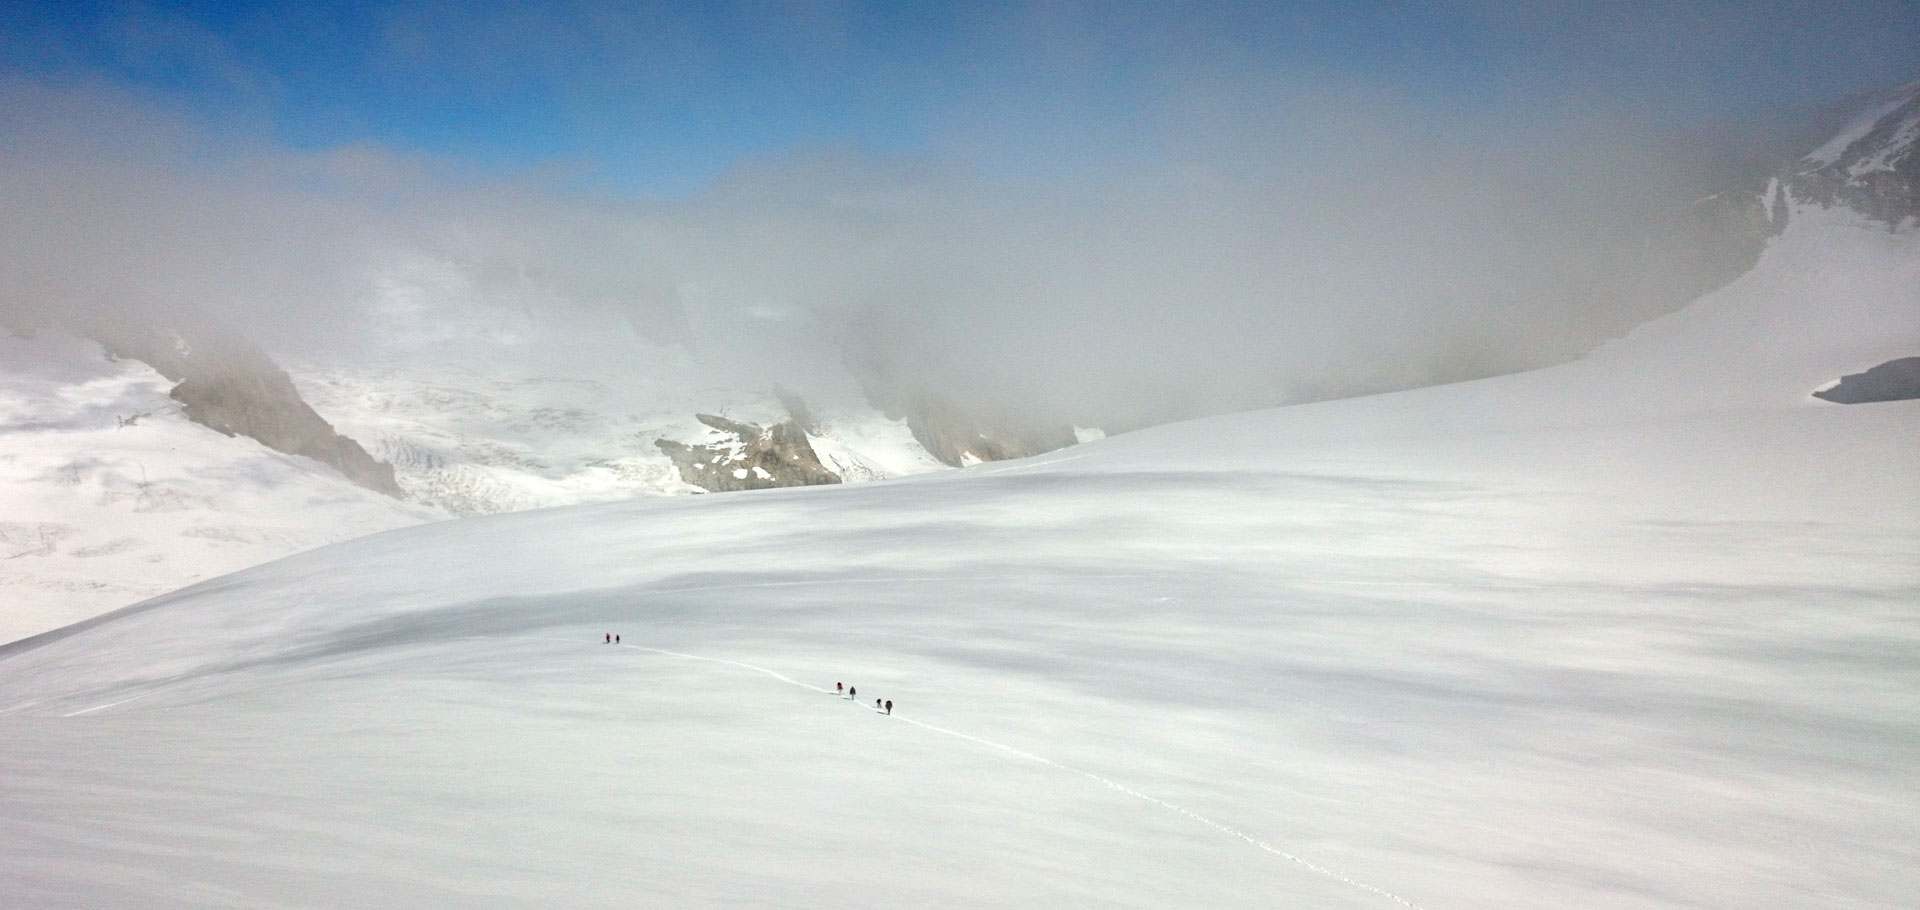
x=746 y=456
x=228 y=384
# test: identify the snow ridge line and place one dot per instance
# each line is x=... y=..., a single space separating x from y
x=1041 y=759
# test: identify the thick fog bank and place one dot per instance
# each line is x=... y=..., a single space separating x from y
x=1343 y=242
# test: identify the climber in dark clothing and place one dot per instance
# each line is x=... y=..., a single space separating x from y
x=616 y=639
x=876 y=704
x=851 y=692
x=889 y=706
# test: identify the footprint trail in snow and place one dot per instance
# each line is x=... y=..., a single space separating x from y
x=1041 y=759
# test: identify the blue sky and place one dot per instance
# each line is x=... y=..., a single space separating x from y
x=660 y=98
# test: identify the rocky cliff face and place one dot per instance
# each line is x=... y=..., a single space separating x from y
x=1872 y=166
x=749 y=457
x=229 y=385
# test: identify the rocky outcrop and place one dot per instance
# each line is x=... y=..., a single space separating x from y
x=754 y=458
x=1895 y=380
x=1871 y=167
x=229 y=385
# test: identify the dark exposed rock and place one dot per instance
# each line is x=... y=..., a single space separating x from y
x=756 y=458
x=1877 y=174
x=1895 y=380
x=227 y=384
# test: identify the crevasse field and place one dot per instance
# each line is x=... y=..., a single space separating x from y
x=1639 y=631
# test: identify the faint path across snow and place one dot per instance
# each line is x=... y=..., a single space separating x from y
x=1001 y=747
x=1041 y=759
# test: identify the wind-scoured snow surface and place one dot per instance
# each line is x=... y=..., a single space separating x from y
x=1639 y=631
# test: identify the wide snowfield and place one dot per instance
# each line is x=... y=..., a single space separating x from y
x=1636 y=632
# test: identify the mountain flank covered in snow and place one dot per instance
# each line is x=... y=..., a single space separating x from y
x=111 y=493
x=510 y=429
x=228 y=384
x=223 y=381
x=465 y=405
x=1871 y=166
x=1609 y=634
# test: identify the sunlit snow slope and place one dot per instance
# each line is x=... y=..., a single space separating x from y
x=110 y=495
x=1636 y=632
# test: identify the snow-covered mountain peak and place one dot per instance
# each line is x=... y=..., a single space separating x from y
x=1893 y=108
x=1872 y=165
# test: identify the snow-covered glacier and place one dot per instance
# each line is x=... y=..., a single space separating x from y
x=109 y=494
x=1638 y=631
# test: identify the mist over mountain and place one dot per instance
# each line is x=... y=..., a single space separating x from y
x=1428 y=455
x=477 y=271
x=1364 y=244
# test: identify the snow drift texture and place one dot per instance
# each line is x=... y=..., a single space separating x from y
x=1637 y=631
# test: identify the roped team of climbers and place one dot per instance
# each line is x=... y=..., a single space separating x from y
x=851 y=693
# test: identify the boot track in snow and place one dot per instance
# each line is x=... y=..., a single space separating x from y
x=1041 y=759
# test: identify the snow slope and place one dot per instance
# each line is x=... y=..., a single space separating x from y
x=1635 y=632
x=98 y=511
x=95 y=515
